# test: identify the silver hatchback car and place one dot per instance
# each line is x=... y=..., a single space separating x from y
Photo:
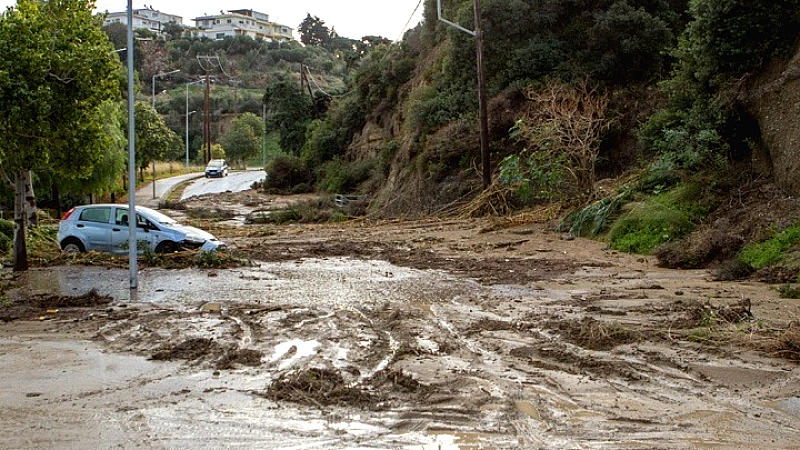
x=104 y=227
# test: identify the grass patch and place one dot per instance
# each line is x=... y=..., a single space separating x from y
x=662 y=218
x=774 y=250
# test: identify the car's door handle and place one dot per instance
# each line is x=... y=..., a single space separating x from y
x=116 y=229
x=79 y=226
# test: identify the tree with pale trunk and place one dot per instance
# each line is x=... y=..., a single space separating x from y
x=57 y=67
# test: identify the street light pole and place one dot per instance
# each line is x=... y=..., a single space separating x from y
x=482 y=114
x=187 y=119
x=264 y=137
x=187 y=136
x=154 y=108
x=133 y=264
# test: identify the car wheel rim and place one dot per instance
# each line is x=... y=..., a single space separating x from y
x=72 y=248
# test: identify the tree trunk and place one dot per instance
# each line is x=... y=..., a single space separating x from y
x=30 y=202
x=57 y=198
x=21 y=184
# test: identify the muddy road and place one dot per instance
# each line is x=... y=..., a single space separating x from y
x=451 y=334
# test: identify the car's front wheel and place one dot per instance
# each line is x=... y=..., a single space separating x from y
x=72 y=245
x=166 y=247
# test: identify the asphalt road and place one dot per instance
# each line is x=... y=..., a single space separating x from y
x=235 y=182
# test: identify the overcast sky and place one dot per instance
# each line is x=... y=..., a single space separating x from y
x=350 y=18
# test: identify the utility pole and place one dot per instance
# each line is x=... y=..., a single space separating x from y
x=482 y=114
x=207 y=119
x=482 y=110
x=208 y=66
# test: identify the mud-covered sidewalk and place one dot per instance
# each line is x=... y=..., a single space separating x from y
x=459 y=334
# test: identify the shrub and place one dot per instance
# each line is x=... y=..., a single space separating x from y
x=7 y=228
x=595 y=218
x=338 y=176
x=5 y=243
x=284 y=172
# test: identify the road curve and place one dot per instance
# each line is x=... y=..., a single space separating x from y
x=234 y=182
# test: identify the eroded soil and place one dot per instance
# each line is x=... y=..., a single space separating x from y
x=437 y=334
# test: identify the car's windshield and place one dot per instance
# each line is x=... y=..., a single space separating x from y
x=215 y=164
x=157 y=216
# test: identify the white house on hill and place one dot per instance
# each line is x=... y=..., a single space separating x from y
x=241 y=22
x=147 y=18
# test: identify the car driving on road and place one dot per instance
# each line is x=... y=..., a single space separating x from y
x=217 y=168
x=104 y=227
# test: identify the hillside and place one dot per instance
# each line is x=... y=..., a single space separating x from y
x=639 y=119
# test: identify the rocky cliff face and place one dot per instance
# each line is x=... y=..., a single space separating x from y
x=774 y=99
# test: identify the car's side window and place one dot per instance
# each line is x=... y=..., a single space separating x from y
x=122 y=217
x=141 y=222
x=96 y=215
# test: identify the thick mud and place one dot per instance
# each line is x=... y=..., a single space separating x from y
x=423 y=335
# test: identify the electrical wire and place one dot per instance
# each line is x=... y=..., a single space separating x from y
x=405 y=27
x=392 y=48
x=311 y=77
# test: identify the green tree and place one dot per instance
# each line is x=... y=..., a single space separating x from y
x=118 y=35
x=314 y=32
x=289 y=111
x=154 y=139
x=106 y=175
x=56 y=70
x=244 y=139
x=702 y=127
x=173 y=30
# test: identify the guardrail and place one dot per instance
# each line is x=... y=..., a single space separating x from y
x=344 y=200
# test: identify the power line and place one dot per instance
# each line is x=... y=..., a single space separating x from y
x=405 y=27
x=308 y=72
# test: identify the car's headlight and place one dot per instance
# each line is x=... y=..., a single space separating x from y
x=194 y=239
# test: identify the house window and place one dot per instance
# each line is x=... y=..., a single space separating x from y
x=220 y=35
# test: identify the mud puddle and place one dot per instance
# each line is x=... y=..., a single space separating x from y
x=341 y=353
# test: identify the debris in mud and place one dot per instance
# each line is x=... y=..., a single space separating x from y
x=35 y=305
x=731 y=270
x=318 y=387
x=560 y=359
x=236 y=358
x=487 y=324
x=787 y=345
x=210 y=213
x=91 y=258
x=189 y=350
x=593 y=334
x=88 y=300
x=707 y=314
x=776 y=274
x=490 y=270
x=397 y=381
x=193 y=258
